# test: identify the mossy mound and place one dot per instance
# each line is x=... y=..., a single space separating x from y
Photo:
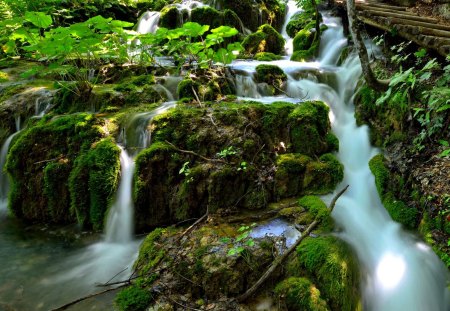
x=265 y=39
x=399 y=211
x=267 y=57
x=307 y=54
x=206 y=87
x=300 y=294
x=331 y=266
x=239 y=141
x=303 y=40
x=273 y=76
x=301 y=20
x=171 y=17
x=43 y=157
x=210 y=255
x=254 y=13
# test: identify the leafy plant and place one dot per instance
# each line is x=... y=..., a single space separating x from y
x=240 y=242
x=227 y=152
x=186 y=171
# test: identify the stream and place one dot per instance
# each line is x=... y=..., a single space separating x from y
x=42 y=268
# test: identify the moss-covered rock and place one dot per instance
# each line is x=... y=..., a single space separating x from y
x=303 y=40
x=169 y=17
x=266 y=57
x=133 y=298
x=43 y=157
x=254 y=13
x=93 y=183
x=308 y=54
x=332 y=267
x=312 y=122
x=207 y=16
x=300 y=294
x=265 y=39
x=399 y=211
x=302 y=20
x=239 y=139
x=273 y=76
x=322 y=176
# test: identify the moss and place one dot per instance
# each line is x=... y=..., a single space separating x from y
x=4 y=77
x=381 y=173
x=397 y=209
x=302 y=20
x=300 y=294
x=56 y=188
x=61 y=139
x=207 y=16
x=133 y=298
x=185 y=88
x=266 y=39
x=322 y=176
x=266 y=57
x=169 y=17
x=151 y=252
x=332 y=267
x=308 y=54
x=332 y=142
x=303 y=40
x=272 y=75
x=291 y=168
x=312 y=123
x=316 y=207
x=97 y=172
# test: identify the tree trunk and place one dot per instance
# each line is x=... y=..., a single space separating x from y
x=370 y=78
x=316 y=9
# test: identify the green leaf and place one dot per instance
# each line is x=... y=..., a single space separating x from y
x=250 y=243
x=242 y=236
x=420 y=53
x=225 y=31
x=232 y=252
x=39 y=19
x=225 y=240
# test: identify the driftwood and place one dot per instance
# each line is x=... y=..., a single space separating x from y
x=280 y=259
x=64 y=307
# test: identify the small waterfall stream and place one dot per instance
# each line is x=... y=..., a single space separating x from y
x=4 y=181
x=398 y=270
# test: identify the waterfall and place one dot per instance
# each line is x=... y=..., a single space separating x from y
x=399 y=272
x=136 y=136
x=148 y=22
x=4 y=182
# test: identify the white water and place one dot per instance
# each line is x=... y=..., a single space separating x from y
x=148 y=22
x=399 y=271
x=4 y=182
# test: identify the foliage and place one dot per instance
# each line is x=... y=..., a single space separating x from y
x=133 y=298
x=423 y=88
x=241 y=242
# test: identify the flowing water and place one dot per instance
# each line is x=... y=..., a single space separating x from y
x=39 y=271
x=399 y=272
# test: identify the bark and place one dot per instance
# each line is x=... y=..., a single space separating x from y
x=316 y=9
x=370 y=78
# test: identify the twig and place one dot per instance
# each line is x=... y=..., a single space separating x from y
x=49 y=160
x=195 y=223
x=107 y=283
x=196 y=96
x=64 y=307
x=282 y=257
x=195 y=154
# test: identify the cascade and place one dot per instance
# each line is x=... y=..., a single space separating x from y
x=398 y=270
x=148 y=22
x=135 y=137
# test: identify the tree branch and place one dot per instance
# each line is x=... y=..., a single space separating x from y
x=195 y=154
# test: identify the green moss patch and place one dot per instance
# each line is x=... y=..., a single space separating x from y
x=266 y=39
x=330 y=265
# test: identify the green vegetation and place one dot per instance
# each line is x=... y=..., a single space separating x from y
x=265 y=39
x=398 y=210
x=333 y=269
x=300 y=294
x=133 y=298
x=43 y=158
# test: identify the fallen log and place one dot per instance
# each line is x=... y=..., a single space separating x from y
x=382 y=9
